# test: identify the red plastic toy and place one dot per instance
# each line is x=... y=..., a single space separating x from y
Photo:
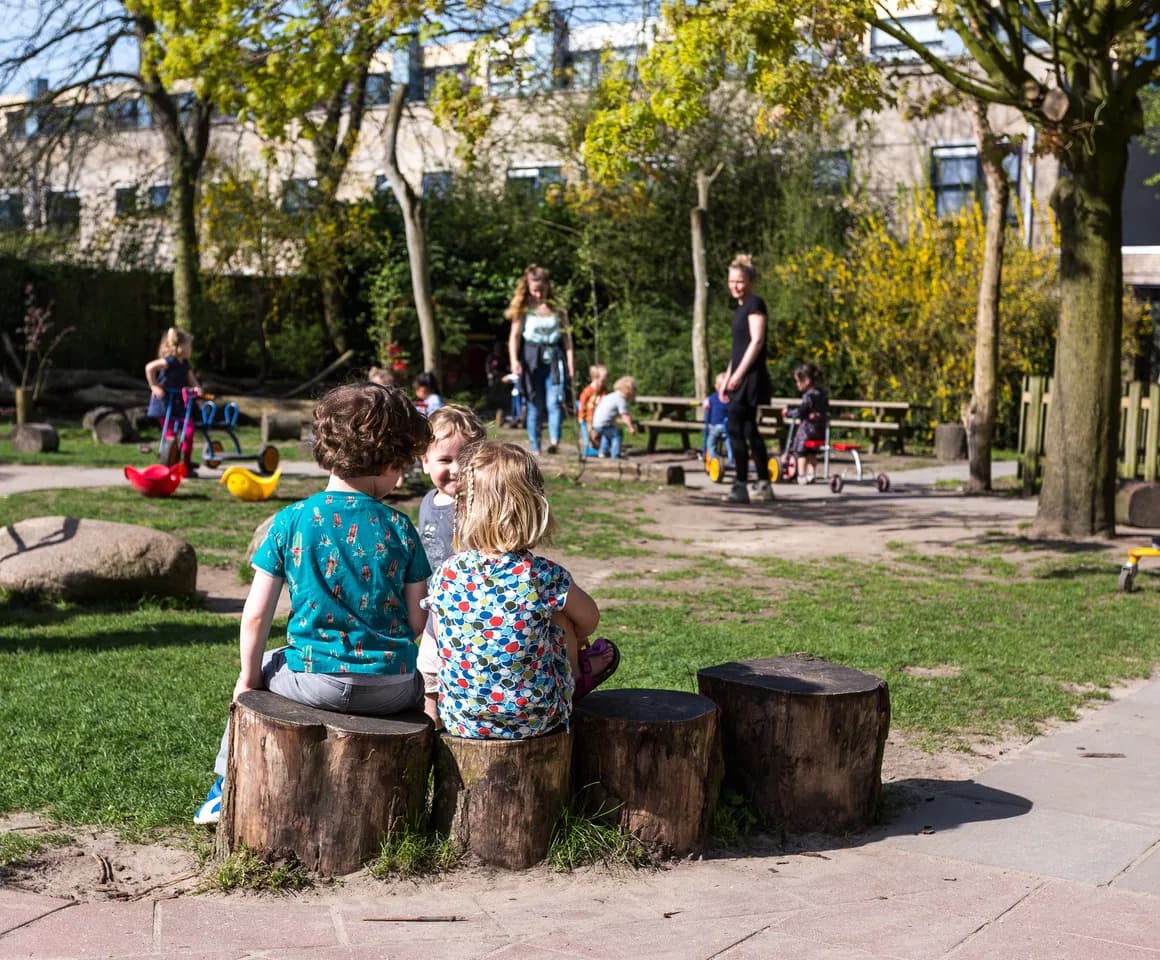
x=156 y=480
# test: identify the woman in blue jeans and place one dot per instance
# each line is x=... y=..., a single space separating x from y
x=540 y=352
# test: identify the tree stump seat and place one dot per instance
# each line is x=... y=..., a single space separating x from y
x=802 y=739
x=281 y=426
x=500 y=799
x=35 y=438
x=656 y=754
x=318 y=786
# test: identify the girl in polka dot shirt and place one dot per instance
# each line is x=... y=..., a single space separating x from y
x=509 y=625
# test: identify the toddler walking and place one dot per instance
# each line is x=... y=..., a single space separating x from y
x=716 y=407
x=355 y=569
x=511 y=627
x=612 y=408
x=590 y=396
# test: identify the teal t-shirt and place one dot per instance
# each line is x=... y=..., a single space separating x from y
x=346 y=558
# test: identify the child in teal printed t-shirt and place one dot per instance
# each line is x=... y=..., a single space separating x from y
x=355 y=569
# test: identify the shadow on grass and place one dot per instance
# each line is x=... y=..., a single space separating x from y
x=153 y=627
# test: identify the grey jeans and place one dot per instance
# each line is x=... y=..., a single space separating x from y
x=373 y=695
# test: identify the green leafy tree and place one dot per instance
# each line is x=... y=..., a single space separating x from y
x=767 y=65
x=1075 y=71
x=87 y=37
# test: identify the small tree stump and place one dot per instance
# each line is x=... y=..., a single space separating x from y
x=803 y=739
x=657 y=754
x=35 y=438
x=950 y=442
x=1138 y=504
x=500 y=799
x=114 y=428
x=318 y=786
x=281 y=426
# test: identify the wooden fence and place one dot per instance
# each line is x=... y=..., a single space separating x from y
x=1139 y=456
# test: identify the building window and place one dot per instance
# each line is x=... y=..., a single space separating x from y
x=506 y=78
x=436 y=183
x=15 y=124
x=125 y=114
x=532 y=181
x=62 y=211
x=157 y=197
x=832 y=171
x=125 y=201
x=431 y=76
x=11 y=211
x=585 y=67
x=955 y=178
x=924 y=29
x=378 y=89
x=299 y=194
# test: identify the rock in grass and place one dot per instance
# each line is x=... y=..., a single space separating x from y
x=81 y=559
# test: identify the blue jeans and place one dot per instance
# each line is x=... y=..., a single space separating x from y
x=717 y=433
x=546 y=397
x=610 y=438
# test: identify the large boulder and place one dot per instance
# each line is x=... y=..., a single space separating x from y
x=80 y=559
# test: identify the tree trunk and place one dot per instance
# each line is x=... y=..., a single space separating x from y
x=332 y=303
x=979 y=417
x=803 y=739
x=416 y=232
x=1079 y=475
x=321 y=787
x=186 y=253
x=656 y=755
x=500 y=799
x=702 y=376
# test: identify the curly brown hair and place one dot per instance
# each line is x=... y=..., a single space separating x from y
x=360 y=429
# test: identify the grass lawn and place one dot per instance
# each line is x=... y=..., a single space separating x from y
x=113 y=715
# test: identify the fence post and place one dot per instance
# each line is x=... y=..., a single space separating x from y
x=1130 y=405
x=1033 y=423
x=1152 y=433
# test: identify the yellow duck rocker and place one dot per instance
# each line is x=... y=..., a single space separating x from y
x=246 y=485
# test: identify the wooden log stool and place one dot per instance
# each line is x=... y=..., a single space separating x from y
x=802 y=738
x=35 y=438
x=321 y=787
x=500 y=799
x=281 y=426
x=657 y=754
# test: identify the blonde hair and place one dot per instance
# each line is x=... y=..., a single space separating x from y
x=598 y=371
x=501 y=505
x=625 y=385
x=720 y=380
x=456 y=420
x=519 y=305
x=381 y=376
x=744 y=263
x=172 y=341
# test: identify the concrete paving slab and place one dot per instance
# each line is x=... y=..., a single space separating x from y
x=1051 y=843
x=771 y=943
x=18 y=908
x=86 y=930
x=1143 y=876
x=243 y=923
x=1122 y=785
x=1100 y=913
x=1009 y=937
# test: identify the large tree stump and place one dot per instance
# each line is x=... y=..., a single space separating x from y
x=500 y=799
x=1138 y=504
x=802 y=738
x=35 y=438
x=89 y=420
x=281 y=426
x=318 y=786
x=950 y=442
x=657 y=754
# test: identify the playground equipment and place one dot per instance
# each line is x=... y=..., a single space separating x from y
x=1131 y=566
x=246 y=485
x=156 y=480
x=788 y=467
x=176 y=434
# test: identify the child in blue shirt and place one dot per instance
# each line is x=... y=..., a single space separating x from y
x=716 y=416
x=354 y=566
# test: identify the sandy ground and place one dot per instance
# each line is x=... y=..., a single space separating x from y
x=804 y=523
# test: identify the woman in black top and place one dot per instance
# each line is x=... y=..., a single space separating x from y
x=747 y=382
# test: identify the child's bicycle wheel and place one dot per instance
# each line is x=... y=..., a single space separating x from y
x=169 y=452
x=268 y=458
x=774 y=470
x=715 y=467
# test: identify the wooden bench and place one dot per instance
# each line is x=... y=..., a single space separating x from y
x=656 y=756
x=685 y=416
x=802 y=738
x=321 y=787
